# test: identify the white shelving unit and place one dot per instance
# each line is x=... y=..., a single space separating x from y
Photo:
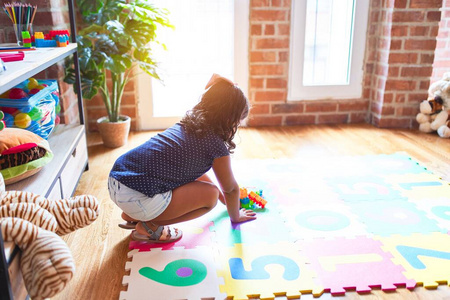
x=63 y=140
x=59 y=178
x=35 y=61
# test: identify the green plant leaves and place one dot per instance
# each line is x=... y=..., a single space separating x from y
x=118 y=63
x=88 y=7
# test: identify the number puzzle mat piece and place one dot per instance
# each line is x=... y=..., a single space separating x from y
x=393 y=217
x=364 y=188
x=293 y=191
x=397 y=163
x=265 y=271
x=358 y=263
x=437 y=209
x=425 y=257
x=268 y=227
x=310 y=221
x=172 y=274
x=419 y=186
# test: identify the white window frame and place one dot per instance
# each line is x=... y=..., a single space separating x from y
x=296 y=90
x=146 y=120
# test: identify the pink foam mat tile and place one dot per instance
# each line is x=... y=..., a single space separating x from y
x=353 y=264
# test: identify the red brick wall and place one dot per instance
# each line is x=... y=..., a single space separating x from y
x=407 y=45
x=398 y=64
x=268 y=75
x=442 y=54
x=405 y=41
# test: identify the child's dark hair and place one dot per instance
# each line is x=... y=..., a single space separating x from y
x=221 y=109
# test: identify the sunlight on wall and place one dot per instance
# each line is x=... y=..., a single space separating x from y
x=201 y=44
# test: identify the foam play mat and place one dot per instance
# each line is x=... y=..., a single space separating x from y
x=330 y=225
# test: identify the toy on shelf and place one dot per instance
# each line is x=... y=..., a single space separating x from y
x=2 y=123
x=55 y=38
x=26 y=38
x=40 y=41
x=32 y=105
x=251 y=200
x=53 y=33
x=8 y=57
x=62 y=40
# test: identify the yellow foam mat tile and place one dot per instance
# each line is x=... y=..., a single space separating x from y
x=265 y=271
x=425 y=257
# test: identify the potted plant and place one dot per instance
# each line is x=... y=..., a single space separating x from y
x=116 y=41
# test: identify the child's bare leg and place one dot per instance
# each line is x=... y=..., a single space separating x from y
x=188 y=202
x=206 y=178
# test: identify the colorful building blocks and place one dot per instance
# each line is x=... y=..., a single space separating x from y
x=39 y=35
x=26 y=38
x=62 y=40
x=257 y=199
x=54 y=33
x=41 y=43
x=56 y=38
x=251 y=200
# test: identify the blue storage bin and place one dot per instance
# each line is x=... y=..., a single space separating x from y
x=36 y=113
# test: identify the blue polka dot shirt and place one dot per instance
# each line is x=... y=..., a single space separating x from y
x=168 y=160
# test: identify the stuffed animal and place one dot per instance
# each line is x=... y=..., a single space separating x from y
x=34 y=224
x=434 y=112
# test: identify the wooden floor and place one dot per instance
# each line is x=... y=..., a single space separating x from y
x=100 y=250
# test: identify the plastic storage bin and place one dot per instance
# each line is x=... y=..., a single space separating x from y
x=36 y=113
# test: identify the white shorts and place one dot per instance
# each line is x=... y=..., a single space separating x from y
x=135 y=204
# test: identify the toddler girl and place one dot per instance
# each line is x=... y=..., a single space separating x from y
x=164 y=181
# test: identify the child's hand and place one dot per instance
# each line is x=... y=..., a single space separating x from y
x=245 y=215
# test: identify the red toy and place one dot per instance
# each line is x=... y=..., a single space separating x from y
x=16 y=93
x=7 y=57
x=258 y=200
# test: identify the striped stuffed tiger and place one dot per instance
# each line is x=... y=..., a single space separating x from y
x=33 y=223
x=46 y=262
x=70 y=214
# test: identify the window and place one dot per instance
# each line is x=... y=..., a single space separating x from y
x=327 y=49
x=210 y=36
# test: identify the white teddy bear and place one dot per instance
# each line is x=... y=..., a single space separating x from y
x=434 y=112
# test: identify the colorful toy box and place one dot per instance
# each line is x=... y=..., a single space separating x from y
x=32 y=105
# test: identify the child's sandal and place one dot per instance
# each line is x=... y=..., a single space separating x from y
x=163 y=234
x=128 y=225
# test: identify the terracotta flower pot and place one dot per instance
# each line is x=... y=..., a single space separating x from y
x=114 y=134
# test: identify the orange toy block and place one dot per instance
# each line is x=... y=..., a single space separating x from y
x=243 y=193
x=258 y=200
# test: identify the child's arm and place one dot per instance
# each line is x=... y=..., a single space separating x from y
x=230 y=189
